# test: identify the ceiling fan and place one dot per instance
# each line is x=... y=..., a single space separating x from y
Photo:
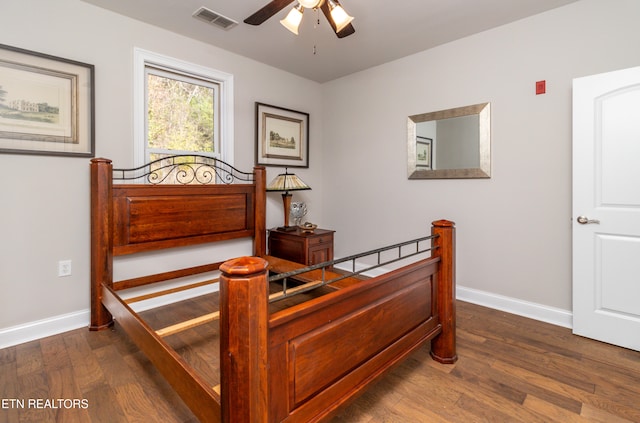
x=335 y=14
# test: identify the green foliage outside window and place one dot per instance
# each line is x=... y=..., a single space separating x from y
x=180 y=115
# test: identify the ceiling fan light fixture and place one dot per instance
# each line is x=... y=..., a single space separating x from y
x=310 y=4
x=340 y=17
x=293 y=19
x=336 y=16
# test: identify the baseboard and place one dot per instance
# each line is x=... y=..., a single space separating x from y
x=63 y=323
x=543 y=313
x=42 y=328
x=58 y=324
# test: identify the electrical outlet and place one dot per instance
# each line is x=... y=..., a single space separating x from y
x=64 y=268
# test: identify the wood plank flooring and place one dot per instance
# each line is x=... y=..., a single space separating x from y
x=510 y=369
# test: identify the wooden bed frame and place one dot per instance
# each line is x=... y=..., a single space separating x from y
x=299 y=364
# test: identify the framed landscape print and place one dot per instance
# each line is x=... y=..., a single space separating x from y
x=46 y=104
x=282 y=137
x=424 y=150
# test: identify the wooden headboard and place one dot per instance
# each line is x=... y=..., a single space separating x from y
x=156 y=217
x=174 y=204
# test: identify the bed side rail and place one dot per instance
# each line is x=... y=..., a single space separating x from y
x=324 y=275
x=200 y=397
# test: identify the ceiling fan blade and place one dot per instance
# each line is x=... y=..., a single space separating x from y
x=268 y=11
x=346 y=31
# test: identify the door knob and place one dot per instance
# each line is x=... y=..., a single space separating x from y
x=583 y=220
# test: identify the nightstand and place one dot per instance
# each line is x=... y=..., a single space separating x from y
x=307 y=248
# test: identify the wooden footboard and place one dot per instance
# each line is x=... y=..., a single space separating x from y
x=322 y=353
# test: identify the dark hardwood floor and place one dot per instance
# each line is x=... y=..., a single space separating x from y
x=510 y=369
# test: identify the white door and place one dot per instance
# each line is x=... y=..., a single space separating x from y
x=606 y=207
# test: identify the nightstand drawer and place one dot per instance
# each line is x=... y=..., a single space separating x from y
x=307 y=248
x=322 y=239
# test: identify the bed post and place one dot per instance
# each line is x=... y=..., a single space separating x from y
x=243 y=340
x=101 y=240
x=260 y=214
x=443 y=347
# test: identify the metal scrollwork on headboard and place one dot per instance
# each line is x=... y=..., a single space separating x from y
x=189 y=169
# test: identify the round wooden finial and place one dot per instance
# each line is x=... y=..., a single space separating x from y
x=243 y=266
x=100 y=160
x=444 y=223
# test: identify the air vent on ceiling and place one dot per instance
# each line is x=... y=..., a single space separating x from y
x=214 y=18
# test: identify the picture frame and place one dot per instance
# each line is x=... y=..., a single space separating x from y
x=282 y=136
x=47 y=104
x=424 y=153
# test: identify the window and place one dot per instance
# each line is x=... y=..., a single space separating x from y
x=181 y=108
x=182 y=114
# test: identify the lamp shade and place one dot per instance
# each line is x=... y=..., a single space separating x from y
x=293 y=19
x=287 y=182
x=339 y=16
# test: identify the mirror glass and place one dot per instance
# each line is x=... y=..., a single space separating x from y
x=452 y=143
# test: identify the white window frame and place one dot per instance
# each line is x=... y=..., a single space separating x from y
x=142 y=59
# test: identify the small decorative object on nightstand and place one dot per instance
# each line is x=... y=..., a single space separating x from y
x=308 y=227
x=307 y=248
x=297 y=212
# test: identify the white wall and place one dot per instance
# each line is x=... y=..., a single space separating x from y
x=44 y=213
x=514 y=230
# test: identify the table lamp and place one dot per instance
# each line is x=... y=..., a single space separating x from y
x=286 y=182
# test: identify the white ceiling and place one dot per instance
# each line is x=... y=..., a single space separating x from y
x=385 y=29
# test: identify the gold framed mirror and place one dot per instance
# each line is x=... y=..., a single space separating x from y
x=452 y=143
